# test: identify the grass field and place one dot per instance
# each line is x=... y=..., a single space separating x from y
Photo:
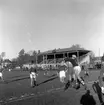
x=16 y=90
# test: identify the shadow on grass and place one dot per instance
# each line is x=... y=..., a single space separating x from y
x=47 y=80
x=49 y=76
x=9 y=81
x=17 y=76
x=46 y=99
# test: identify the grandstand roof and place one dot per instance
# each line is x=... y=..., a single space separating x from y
x=64 y=50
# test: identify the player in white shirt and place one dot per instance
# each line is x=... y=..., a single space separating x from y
x=1 y=72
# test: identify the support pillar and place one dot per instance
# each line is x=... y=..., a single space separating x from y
x=54 y=58
x=63 y=56
x=43 y=59
x=46 y=59
x=78 y=57
x=36 y=58
x=67 y=55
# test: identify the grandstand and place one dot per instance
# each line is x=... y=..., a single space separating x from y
x=57 y=55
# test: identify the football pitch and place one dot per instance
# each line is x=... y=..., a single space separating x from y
x=16 y=90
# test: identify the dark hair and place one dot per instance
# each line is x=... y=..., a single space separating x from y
x=32 y=61
x=88 y=91
x=66 y=59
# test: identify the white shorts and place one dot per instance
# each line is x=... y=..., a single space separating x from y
x=77 y=70
x=1 y=75
x=32 y=75
x=62 y=74
x=102 y=90
x=9 y=69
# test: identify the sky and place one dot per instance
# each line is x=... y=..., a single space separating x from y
x=48 y=24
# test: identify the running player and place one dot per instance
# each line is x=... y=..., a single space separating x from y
x=62 y=72
x=1 y=72
x=86 y=69
x=33 y=74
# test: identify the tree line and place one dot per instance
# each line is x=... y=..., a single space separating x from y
x=24 y=58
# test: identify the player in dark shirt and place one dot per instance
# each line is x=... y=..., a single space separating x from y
x=97 y=89
x=33 y=69
x=76 y=70
x=73 y=61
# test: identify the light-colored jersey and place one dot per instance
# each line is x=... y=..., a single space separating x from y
x=69 y=68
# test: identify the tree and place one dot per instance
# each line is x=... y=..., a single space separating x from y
x=22 y=52
x=27 y=58
x=76 y=46
x=14 y=63
x=21 y=58
x=92 y=57
x=34 y=56
x=40 y=59
x=3 y=54
x=38 y=51
x=102 y=57
x=2 y=57
x=34 y=53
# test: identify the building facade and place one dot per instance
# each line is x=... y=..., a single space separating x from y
x=56 y=55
